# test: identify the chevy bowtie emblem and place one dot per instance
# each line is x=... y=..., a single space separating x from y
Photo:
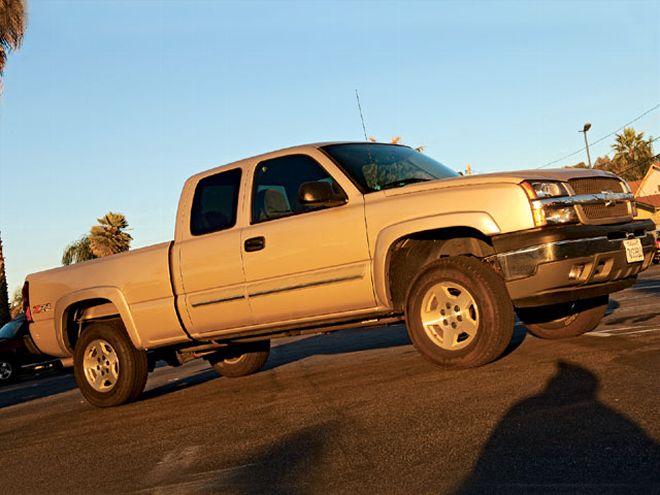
x=609 y=202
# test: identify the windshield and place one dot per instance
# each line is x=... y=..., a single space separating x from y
x=9 y=330
x=376 y=166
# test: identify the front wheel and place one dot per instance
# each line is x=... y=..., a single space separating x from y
x=459 y=313
x=560 y=321
x=109 y=370
x=241 y=359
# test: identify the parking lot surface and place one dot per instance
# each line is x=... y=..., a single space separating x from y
x=360 y=411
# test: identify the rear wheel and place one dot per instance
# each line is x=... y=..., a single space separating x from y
x=241 y=359
x=109 y=370
x=560 y=321
x=8 y=369
x=459 y=313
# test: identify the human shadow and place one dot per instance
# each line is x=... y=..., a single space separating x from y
x=340 y=342
x=289 y=466
x=565 y=440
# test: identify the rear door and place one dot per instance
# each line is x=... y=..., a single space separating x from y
x=209 y=257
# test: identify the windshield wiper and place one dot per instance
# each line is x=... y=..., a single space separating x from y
x=402 y=182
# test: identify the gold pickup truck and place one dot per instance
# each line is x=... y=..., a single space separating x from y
x=329 y=236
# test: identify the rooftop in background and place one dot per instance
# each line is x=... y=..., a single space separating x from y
x=650 y=185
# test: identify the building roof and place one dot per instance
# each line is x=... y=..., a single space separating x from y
x=653 y=200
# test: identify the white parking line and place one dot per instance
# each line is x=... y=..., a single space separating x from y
x=622 y=331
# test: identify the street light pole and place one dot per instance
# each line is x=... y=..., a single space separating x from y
x=584 y=130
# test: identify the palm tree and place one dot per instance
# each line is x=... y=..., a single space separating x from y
x=4 y=295
x=77 y=251
x=108 y=237
x=12 y=27
x=632 y=154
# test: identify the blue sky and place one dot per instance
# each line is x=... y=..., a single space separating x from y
x=111 y=105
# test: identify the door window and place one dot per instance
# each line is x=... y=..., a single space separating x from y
x=277 y=182
x=215 y=202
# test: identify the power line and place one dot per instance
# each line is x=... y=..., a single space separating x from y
x=602 y=138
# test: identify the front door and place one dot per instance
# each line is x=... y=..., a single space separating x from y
x=303 y=262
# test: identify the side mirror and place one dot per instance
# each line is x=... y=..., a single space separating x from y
x=320 y=194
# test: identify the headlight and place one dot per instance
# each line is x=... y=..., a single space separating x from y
x=545 y=189
x=549 y=214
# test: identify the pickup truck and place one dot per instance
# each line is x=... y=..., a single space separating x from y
x=323 y=237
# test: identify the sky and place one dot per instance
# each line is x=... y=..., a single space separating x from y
x=111 y=105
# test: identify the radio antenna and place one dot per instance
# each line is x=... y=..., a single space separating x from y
x=364 y=129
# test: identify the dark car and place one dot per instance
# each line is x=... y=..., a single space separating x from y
x=656 y=257
x=18 y=352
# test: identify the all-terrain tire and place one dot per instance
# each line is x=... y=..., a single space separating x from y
x=459 y=313
x=560 y=321
x=109 y=370
x=241 y=360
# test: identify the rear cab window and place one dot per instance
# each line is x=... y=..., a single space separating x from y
x=215 y=203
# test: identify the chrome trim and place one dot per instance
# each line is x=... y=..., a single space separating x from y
x=303 y=286
x=217 y=301
x=523 y=262
x=607 y=198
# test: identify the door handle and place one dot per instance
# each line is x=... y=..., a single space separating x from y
x=254 y=244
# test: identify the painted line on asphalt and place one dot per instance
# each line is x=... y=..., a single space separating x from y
x=623 y=331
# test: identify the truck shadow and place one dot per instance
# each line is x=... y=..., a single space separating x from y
x=340 y=342
x=357 y=340
x=565 y=439
x=28 y=389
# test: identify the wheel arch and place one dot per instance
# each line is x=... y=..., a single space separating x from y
x=402 y=250
x=90 y=305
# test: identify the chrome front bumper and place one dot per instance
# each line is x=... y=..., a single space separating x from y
x=575 y=268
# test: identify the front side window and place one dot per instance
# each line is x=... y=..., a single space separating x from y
x=376 y=166
x=215 y=203
x=277 y=182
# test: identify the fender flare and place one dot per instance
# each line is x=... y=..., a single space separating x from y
x=112 y=294
x=477 y=220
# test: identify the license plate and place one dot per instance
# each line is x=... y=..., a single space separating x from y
x=633 y=250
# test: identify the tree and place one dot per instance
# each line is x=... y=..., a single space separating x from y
x=77 y=251
x=12 y=27
x=4 y=295
x=16 y=305
x=104 y=239
x=632 y=154
x=109 y=236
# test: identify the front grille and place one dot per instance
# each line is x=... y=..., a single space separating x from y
x=598 y=212
x=596 y=185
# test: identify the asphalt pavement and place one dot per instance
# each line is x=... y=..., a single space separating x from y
x=360 y=411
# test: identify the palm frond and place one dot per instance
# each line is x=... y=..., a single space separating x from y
x=12 y=27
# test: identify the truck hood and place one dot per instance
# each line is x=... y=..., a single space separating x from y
x=516 y=177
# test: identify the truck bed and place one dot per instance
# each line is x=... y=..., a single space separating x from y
x=137 y=283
